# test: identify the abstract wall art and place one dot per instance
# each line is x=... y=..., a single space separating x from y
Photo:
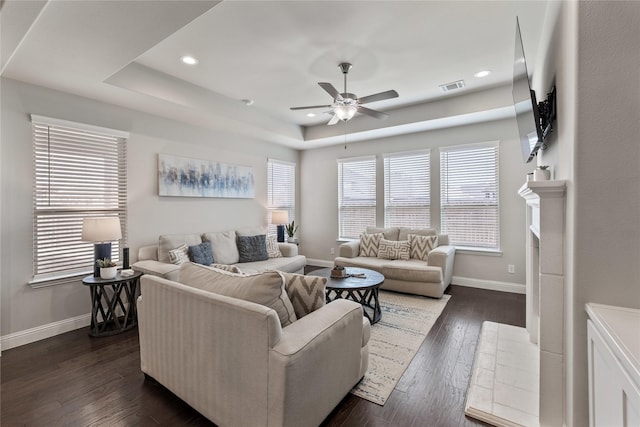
x=185 y=177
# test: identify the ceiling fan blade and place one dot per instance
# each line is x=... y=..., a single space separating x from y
x=335 y=119
x=378 y=96
x=331 y=90
x=310 y=106
x=373 y=113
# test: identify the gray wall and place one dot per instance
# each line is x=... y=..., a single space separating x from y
x=319 y=184
x=24 y=308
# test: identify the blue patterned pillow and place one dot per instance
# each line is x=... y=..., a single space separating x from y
x=201 y=254
x=252 y=248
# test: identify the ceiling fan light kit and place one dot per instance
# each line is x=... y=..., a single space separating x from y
x=345 y=105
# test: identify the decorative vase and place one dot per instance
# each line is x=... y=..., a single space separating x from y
x=541 y=175
x=108 y=272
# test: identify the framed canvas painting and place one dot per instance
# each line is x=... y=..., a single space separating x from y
x=185 y=177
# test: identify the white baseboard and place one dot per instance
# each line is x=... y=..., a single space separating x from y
x=38 y=333
x=319 y=262
x=492 y=285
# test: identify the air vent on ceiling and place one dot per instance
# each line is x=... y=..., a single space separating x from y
x=452 y=86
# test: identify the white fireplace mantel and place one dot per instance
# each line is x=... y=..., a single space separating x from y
x=545 y=289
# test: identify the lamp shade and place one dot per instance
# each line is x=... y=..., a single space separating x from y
x=279 y=217
x=104 y=229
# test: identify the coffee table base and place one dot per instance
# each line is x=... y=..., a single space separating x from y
x=368 y=298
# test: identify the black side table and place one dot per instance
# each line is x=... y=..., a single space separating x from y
x=124 y=296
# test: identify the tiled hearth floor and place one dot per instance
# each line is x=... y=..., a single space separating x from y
x=504 y=387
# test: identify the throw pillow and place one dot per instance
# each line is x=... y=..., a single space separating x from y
x=420 y=246
x=369 y=244
x=307 y=293
x=201 y=254
x=179 y=255
x=223 y=246
x=391 y=249
x=225 y=267
x=252 y=248
x=273 y=250
x=265 y=288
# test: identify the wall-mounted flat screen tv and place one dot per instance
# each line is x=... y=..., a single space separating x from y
x=532 y=133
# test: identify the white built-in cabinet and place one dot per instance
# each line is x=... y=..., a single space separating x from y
x=614 y=366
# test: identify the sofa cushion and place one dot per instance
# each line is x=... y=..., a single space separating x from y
x=420 y=246
x=179 y=255
x=389 y=249
x=166 y=242
x=273 y=249
x=411 y=271
x=201 y=254
x=263 y=288
x=250 y=231
x=252 y=248
x=390 y=233
x=369 y=244
x=223 y=246
x=307 y=293
x=291 y=264
x=403 y=232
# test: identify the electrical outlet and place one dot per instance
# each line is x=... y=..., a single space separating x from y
x=511 y=269
x=332 y=251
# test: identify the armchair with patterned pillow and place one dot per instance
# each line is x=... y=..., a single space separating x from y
x=416 y=261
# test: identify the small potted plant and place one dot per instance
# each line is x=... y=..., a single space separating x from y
x=542 y=173
x=108 y=269
x=291 y=231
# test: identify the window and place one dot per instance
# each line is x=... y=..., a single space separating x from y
x=79 y=171
x=469 y=195
x=356 y=196
x=281 y=189
x=406 y=190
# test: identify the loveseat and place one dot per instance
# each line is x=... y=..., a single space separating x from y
x=245 y=363
x=416 y=261
x=156 y=259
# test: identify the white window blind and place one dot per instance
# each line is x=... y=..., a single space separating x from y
x=281 y=189
x=469 y=195
x=356 y=196
x=407 y=190
x=79 y=171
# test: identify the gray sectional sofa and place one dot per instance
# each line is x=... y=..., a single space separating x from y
x=428 y=277
x=155 y=260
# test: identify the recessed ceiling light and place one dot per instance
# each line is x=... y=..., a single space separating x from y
x=189 y=60
x=311 y=114
x=247 y=102
x=483 y=73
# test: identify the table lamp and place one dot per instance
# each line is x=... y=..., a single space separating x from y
x=101 y=231
x=280 y=218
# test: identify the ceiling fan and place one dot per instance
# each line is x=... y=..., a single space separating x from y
x=345 y=105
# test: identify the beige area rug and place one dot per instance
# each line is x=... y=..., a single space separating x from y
x=395 y=339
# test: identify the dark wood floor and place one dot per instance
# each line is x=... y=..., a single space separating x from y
x=75 y=380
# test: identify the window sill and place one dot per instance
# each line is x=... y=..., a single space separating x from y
x=465 y=250
x=43 y=282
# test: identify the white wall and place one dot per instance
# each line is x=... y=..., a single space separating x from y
x=596 y=58
x=24 y=308
x=319 y=200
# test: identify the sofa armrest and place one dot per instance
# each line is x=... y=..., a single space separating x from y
x=288 y=249
x=350 y=249
x=316 y=362
x=148 y=253
x=442 y=257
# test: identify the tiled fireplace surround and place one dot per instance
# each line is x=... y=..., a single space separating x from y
x=545 y=290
